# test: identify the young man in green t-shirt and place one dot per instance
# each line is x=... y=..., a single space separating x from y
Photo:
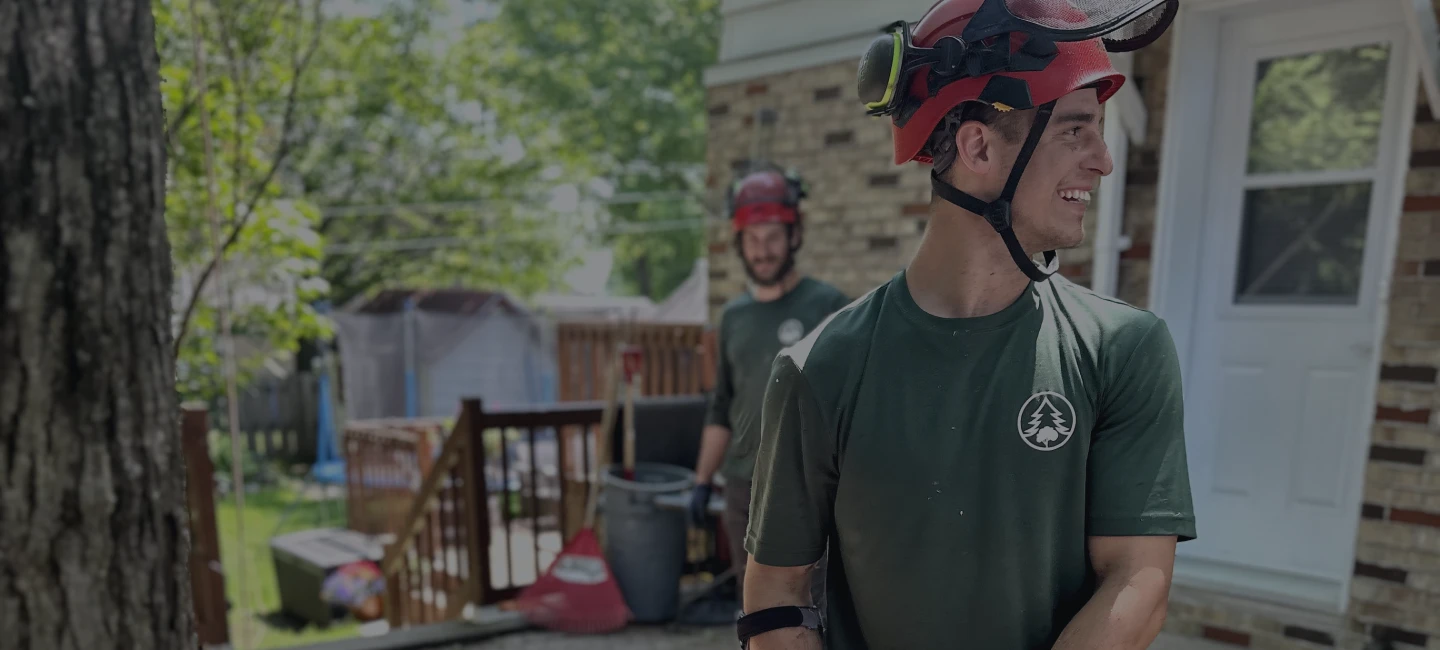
x=780 y=307
x=993 y=456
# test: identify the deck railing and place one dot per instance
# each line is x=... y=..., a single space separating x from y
x=207 y=576
x=493 y=510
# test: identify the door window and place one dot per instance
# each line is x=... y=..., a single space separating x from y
x=1310 y=171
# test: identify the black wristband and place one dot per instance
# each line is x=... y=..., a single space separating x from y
x=775 y=618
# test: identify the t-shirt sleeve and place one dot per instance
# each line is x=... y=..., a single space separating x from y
x=718 y=412
x=795 y=473
x=1139 y=482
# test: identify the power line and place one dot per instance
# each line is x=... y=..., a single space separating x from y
x=441 y=207
x=427 y=243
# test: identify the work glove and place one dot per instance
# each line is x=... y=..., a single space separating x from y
x=700 y=505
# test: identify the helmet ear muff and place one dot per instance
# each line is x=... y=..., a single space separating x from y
x=796 y=187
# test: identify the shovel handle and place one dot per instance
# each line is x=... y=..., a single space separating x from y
x=630 y=427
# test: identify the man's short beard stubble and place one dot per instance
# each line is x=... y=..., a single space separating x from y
x=786 y=265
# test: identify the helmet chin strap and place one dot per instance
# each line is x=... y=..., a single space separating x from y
x=997 y=212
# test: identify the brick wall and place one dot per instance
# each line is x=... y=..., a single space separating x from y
x=1151 y=77
x=865 y=215
x=1397 y=564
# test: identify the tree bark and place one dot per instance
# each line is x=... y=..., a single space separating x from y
x=93 y=525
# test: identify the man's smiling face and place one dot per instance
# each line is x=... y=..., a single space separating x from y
x=1063 y=173
x=1048 y=209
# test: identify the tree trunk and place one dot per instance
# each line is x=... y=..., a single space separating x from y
x=93 y=525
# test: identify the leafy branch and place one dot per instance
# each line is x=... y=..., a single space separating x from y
x=244 y=211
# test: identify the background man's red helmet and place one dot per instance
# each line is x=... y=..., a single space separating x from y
x=1077 y=65
x=765 y=196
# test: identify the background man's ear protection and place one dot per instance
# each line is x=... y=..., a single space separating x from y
x=797 y=187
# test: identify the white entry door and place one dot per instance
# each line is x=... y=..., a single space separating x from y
x=1299 y=210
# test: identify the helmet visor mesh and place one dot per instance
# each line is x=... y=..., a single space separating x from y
x=1143 y=30
x=1091 y=17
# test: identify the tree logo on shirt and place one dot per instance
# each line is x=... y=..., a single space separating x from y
x=791 y=330
x=1047 y=421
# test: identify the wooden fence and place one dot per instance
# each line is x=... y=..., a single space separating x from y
x=679 y=359
x=493 y=511
x=278 y=417
x=207 y=576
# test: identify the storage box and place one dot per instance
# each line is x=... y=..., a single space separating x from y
x=303 y=560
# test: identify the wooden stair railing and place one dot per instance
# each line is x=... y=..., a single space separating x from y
x=462 y=542
x=426 y=578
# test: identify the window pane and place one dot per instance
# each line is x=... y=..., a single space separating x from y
x=1318 y=111
x=1302 y=245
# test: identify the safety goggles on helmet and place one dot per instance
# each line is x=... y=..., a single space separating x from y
x=984 y=47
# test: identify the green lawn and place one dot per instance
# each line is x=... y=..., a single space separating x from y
x=261 y=626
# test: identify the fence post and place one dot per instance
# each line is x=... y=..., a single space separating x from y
x=207 y=578
x=394 y=594
x=473 y=414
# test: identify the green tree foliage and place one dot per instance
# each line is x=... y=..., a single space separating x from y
x=256 y=54
x=310 y=110
x=398 y=119
x=612 y=90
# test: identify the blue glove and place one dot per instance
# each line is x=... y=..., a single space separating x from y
x=700 y=505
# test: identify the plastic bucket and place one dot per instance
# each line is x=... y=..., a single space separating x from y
x=644 y=544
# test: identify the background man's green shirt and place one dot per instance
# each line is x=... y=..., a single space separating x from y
x=751 y=333
x=955 y=467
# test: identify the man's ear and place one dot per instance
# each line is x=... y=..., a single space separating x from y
x=975 y=147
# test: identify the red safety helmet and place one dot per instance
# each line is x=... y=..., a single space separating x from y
x=1076 y=65
x=765 y=196
x=1010 y=55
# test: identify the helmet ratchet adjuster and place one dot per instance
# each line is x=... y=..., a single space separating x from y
x=997 y=214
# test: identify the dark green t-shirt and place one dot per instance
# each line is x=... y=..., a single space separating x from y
x=955 y=467
x=751 y=333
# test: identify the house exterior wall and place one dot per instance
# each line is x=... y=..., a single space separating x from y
x=865 y=218
x=1142 y=172
x=1398 y=558
x=1395 y=593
